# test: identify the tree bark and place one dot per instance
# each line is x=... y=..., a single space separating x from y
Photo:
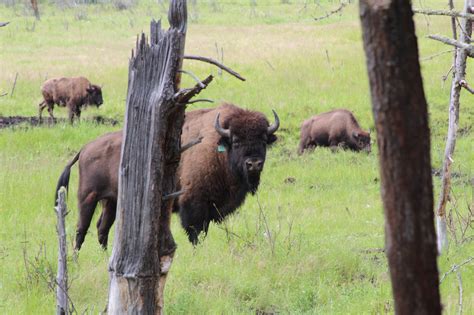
x=401 y=119
x=149 y=159
x=456 y=86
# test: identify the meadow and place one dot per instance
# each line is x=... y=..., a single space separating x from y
x=309 y=242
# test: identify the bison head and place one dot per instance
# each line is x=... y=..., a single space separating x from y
x=362 y=140
x=94 y=93
x=245 y=138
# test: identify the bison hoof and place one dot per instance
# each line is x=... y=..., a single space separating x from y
x=103 y=241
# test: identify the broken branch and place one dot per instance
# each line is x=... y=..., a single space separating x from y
x=183 y=96
x=2 y=24
x=192 y=75
x=455 y=268
x=172 y=195
x=215 y=63
x=201 y=100
x=190 y=144
x=451 y=13
x=328 y=14
x=448 y=41
x=464 y=84
x=437 y=55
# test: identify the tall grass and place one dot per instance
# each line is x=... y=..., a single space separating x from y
x=309 y=242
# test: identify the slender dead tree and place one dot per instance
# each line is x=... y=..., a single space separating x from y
x=401 y=119
x=143 y=245
x=460 y=57
x=62 y=302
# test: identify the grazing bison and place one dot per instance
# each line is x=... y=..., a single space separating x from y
x=216 y=174
x=74 y=93
x=335 y=128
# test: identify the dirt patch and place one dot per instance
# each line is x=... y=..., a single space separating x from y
x=12 y=121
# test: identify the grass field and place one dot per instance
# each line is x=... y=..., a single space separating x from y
x=308 y=243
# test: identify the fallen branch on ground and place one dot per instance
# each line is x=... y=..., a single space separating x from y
x=2 y=24
x=215 y=63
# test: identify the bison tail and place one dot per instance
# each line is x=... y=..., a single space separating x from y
x=64 y=178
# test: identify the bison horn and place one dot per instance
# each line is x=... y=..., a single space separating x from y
x=223 y=132
x=274 y=127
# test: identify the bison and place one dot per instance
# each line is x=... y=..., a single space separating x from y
x=337 y=128
x=216 y=175
x=74 y=93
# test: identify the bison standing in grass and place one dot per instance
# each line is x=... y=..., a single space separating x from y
x=337 y=128
x=74 y=93
x=216 y=175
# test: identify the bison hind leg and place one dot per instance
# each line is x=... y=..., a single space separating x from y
x=105 y=221
x=86 y=210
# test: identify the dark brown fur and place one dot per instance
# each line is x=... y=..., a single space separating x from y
x=213 y=185
x=74 y=93
x=337 y=128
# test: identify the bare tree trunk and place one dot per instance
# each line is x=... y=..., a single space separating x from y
x=149 y=159
x=34 y=5
x=401 y=119
x=459 y=76
x=62 y=303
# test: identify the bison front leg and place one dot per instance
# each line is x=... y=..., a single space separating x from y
x=74 y=110
x=193 y=219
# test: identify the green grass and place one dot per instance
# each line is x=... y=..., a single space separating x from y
x=324 y=226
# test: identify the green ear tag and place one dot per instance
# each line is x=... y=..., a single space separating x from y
x=220 y=148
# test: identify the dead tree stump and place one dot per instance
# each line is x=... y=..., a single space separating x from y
x=403 y=136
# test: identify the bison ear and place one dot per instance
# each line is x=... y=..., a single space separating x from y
x=271 y=138
x=355 y=134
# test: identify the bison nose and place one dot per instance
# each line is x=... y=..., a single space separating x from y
x=254 y=165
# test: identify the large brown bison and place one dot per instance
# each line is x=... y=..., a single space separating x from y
x=74 y=93
x=337 y=128
x=216 y=174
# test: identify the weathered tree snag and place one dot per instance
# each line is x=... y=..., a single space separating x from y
x=401 y=119
x=143 y=245
x=456 y=86
x=62 y=303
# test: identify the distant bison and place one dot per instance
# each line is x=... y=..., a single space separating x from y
x=216 y=174
x=337 y=128
x=74 y=93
